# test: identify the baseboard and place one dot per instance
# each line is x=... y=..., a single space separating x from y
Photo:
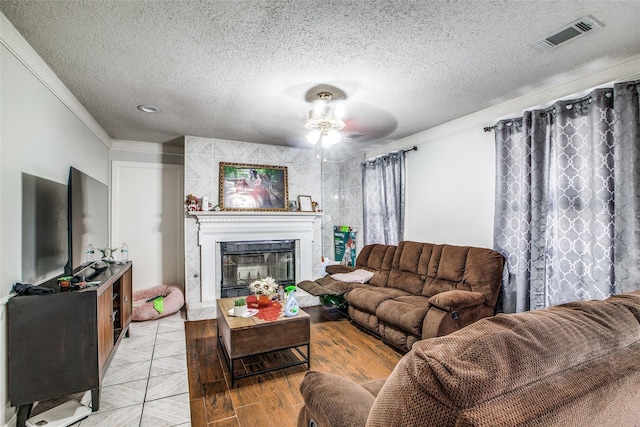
x=201 y=310
x=12 y=421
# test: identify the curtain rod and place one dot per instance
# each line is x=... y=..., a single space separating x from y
x=552 y=107
x=414 y=148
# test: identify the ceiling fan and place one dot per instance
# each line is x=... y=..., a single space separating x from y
x=342 y=123
x=322 y=122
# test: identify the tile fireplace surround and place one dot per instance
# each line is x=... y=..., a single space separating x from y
x=215 y=227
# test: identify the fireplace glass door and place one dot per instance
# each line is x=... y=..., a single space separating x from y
x=245 y=262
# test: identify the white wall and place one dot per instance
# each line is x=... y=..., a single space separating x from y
x=40 y=136
x=450 y=190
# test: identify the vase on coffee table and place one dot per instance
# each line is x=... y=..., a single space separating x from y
x=263 y=300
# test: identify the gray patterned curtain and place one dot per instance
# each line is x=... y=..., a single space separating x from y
x=567 y=200
x=383 y=195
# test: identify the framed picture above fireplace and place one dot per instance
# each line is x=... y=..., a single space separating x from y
x=246 y=187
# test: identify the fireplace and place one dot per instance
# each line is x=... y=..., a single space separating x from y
x=245 y=262
x=215 y=228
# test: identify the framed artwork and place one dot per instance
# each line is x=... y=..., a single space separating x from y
x=246 y=187
x=305 y=204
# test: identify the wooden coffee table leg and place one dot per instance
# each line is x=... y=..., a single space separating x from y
x=233 y=377
x=227 y=358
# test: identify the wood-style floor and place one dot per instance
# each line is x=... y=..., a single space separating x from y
x=273 y=399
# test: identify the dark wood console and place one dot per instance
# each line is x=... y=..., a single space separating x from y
x=62 y=343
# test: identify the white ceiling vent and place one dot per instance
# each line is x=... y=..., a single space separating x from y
x=575 y=29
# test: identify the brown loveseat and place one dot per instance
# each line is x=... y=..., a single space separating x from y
x=571 y=365
x=418 y=290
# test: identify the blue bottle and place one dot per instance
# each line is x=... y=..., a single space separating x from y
x=291 y=307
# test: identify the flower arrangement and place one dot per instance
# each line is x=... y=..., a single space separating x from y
x=266 y=286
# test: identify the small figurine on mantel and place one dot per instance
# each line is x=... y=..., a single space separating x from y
x=191 y=203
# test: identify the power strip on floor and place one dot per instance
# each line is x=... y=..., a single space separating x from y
x=63 y=415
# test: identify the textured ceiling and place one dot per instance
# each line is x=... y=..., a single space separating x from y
x=244 y=70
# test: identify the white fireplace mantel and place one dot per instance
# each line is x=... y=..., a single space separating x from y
x=224 y=226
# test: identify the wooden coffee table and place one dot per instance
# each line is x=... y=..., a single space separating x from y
x=241 y=337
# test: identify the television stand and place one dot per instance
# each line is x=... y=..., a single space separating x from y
x=62 y=343
x=100 y=266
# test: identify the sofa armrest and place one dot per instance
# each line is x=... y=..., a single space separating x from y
x=331 y=400
x=456 y=300
x=337 y=268
x=453 y=310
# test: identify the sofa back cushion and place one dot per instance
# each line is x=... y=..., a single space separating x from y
x=376 y=258
x=464 y=268
x=409 y=267
x=541 y=356
x=427 y=269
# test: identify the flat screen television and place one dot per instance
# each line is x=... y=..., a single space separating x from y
x=88 y=219
x=44 y=229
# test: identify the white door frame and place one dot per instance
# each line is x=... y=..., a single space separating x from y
x=117 y=167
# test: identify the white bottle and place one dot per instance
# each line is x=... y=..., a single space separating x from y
x=124 y=253
x=291 y=307
x=89 y=254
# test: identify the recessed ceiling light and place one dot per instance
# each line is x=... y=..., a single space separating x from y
x=148 y=109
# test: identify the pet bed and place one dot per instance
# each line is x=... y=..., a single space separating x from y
x=156 y=302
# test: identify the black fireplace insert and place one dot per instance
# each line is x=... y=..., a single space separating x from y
x=245 y=262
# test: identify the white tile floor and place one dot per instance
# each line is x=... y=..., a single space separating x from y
x=146 y=384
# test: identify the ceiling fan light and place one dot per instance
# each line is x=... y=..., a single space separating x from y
x=331 y=138
x=322 y=123
x=313 y=136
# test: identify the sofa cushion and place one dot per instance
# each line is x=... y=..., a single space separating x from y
x=314 y=288
x=334 y=285
x=464 y=268
x=477 y=365
x=368 y=298
x=405 y=313
x=377 y=258
x=409 y=267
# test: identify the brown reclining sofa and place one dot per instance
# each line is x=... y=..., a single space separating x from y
x=418 y=290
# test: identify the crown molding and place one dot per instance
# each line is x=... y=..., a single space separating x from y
x=146 y=147
x=18 y=46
